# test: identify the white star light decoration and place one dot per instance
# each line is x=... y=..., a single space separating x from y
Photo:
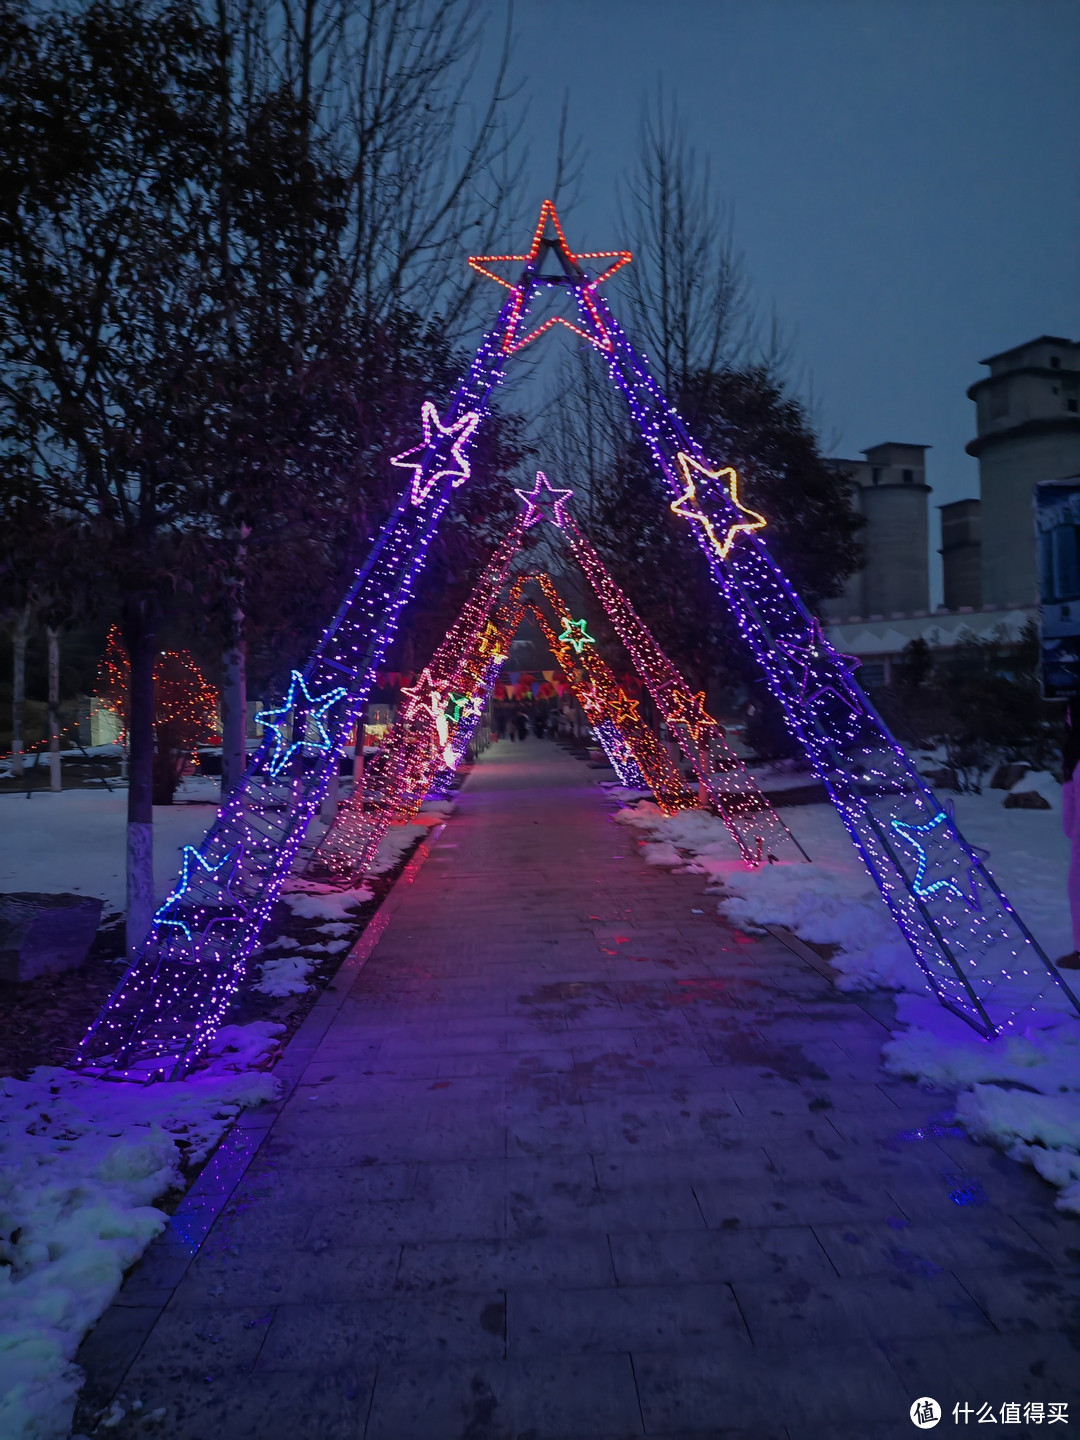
x=458 y=465
x=543 y=502
x=179 y=895
x=281 y=721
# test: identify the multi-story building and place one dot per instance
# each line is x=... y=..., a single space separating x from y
x=1027 y=430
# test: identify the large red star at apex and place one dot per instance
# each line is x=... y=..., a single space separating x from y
x=573 y=276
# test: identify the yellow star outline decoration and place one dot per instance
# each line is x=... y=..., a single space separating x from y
x=689 y=710
x=489 y=640
x=730 y=478
x=579 y=639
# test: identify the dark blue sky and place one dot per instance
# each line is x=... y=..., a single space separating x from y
x=904 y=176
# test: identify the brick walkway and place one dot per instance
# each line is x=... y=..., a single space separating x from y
x=575 y=1160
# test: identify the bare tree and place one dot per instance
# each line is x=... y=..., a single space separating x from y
x=687 y=290
x=387 y=170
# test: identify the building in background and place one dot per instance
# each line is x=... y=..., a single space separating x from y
x=961 y=554
x=891 y=493
x=1027 y=430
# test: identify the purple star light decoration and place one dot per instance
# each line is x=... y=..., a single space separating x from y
x=544 y=502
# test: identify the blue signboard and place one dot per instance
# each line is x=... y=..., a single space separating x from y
x=1057 y=537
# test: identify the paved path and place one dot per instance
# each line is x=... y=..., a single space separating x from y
x=575 y=1160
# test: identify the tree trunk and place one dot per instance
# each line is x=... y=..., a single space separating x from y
x=19 y=636
x=234 y=676
x=53 y=635
x=140 y=637
x=330 y=798
x=233 y=717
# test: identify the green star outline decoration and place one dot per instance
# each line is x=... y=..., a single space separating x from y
x=578 y=640
x=457 y=704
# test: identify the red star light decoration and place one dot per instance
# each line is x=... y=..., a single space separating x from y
x=459 y=465
x=543 y=502
x=573 y=277
x=686 y=505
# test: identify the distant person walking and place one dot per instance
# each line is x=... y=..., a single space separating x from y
x=502 y=719
x=522 y=721
x=1070 y=820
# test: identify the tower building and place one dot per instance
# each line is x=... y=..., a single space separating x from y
x=1028 y=430
x=890 y=491
x=961 y=555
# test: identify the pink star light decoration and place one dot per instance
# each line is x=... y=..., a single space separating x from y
x=543 y=502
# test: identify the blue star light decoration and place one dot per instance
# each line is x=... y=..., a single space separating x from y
x=192 y=858
x=282 y=721
x=910 y=834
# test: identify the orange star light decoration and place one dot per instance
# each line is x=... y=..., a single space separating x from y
x=548 y=238
x=624 y=711
x=686 y=504
x=690 y=711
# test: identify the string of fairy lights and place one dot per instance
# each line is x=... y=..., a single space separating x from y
x=184 y=700
x=974 y=950
x=178 y=987
x=752 y=822
x=600 y=694
x=420 y=741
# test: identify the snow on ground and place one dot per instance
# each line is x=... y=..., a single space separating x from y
x=1020 y=1092
x=83 y=1160
x=324 y=902
x=75 y=841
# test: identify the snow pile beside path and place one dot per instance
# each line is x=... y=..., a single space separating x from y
x=830 y=902
x=833 y=901
x=324 y=902
x=81 y=1161
x=394 y=843
x=285 y=976
x=1019 y=1092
